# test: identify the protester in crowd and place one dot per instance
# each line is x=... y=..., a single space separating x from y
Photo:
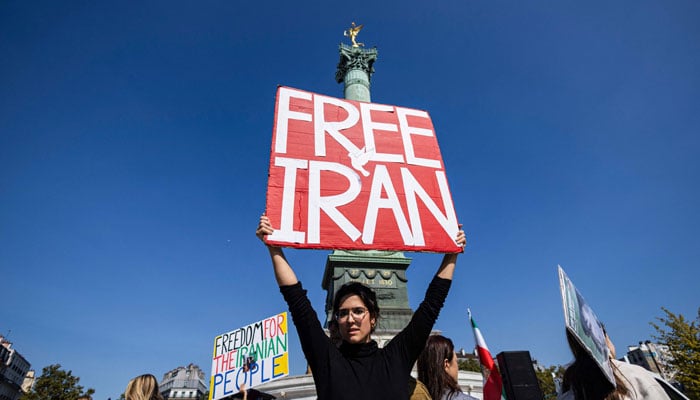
x=438 y=369
x=243 y=391
x=143 y=387
x=584 y=379
x=417 y=390
x=250 y=394
x=357 y=368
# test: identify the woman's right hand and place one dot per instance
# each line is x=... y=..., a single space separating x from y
x=264 y=228
x=283 y=271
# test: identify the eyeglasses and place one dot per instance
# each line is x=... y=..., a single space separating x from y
x=357 y=313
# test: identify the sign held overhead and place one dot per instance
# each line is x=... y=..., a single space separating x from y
x=355 y=175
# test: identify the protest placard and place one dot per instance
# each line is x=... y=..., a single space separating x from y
x=583 y=325
x=254 y=354
x=353 y=175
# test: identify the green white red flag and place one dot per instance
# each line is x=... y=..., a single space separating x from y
x=493 y=384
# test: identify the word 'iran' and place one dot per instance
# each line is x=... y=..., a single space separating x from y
x=354 y=175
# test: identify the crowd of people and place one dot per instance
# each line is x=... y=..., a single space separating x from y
x=354 y=367
x=350 y=365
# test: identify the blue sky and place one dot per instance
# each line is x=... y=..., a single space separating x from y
x=134 y=142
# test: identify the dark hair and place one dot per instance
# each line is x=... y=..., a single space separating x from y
x=367 y=295
x=431 y=367
x=587 y=381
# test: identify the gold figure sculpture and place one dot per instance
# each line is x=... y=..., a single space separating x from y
x=352 y=33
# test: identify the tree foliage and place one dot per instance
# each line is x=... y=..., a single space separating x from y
x=470 y=364
x=683 y=340
x=56 y=384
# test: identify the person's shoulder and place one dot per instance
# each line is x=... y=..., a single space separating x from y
x=420 y=386
x=632 y=370
x=417 y=390
x=642 y=383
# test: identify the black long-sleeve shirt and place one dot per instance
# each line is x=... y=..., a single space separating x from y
x=363 y=371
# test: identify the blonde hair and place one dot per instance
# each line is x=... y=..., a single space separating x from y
x=143 y=387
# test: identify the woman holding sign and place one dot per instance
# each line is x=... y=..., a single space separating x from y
x=358 y=369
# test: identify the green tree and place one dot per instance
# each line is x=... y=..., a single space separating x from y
x=470 y=364
x=546 y=380
x=683 y=340
x=56 y=384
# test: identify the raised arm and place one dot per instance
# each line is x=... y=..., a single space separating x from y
x=283 y=271
x=447 y=267
x=411 y=340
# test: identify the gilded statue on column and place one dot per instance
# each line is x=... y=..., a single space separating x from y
x=352 y=34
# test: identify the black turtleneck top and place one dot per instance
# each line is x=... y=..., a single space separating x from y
x=363 y=371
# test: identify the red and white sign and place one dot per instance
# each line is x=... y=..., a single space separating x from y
x=353 y=175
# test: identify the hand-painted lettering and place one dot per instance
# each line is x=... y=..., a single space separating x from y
x=245 y=355
x=339 y=169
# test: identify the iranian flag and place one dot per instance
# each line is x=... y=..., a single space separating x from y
x=493 y=385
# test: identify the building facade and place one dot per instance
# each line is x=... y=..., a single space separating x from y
x=13 y=369
x=652 y=356
x=29 y=380
x=183 y=383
